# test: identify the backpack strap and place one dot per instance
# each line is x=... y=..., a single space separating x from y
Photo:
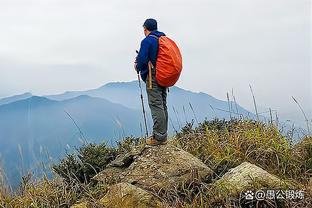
x=157 y=38
x=154 y=36
x=150 y=66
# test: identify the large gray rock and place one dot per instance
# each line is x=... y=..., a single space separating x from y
x=159 y=168
x=244 y=177
x=127 y=195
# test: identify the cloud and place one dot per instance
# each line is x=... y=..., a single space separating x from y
x=52 y=46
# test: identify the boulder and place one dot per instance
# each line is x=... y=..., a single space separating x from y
x=159 y=168
x=128 y=195
x=245 y=177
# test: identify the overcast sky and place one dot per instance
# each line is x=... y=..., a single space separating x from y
x=51 y=46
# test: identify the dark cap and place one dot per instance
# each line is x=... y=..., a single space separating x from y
x=150 y=24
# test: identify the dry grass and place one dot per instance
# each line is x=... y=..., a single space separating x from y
x=225 y=144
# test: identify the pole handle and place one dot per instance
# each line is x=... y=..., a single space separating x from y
x=150 y=65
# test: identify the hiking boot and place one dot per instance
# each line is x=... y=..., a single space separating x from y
x=154 y=142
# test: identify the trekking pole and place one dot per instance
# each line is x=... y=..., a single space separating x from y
x=143 y=108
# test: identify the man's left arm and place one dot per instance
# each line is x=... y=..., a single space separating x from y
x=142 y=58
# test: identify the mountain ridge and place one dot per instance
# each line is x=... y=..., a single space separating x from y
x=10 y=99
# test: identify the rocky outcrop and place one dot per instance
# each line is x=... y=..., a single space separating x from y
x=136 y=178
x=156 y=168
x=128 y=195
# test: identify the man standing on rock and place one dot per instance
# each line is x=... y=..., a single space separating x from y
x=160 y=63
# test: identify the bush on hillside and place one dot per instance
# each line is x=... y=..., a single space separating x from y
x=90 y=159
x=86 y=163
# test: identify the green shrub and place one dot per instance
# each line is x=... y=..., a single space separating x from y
x=86 y=163
x=90 y=159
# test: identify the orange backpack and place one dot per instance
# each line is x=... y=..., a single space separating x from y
x=169 y=62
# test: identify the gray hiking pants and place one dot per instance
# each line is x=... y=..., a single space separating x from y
x=157 y=101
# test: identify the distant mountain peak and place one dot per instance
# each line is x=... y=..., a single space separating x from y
x=39 y=99
x=15 y=98
x=35 y=97
x=116 y=84
x=26 y=93
x=19 y=95
x=80 y=97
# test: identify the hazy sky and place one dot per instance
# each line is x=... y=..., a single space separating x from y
x=50 y=46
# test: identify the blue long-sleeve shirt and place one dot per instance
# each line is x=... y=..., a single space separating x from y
x=148 y=52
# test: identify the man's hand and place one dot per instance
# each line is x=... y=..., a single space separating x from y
x=135 y=62
x=135 y=66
